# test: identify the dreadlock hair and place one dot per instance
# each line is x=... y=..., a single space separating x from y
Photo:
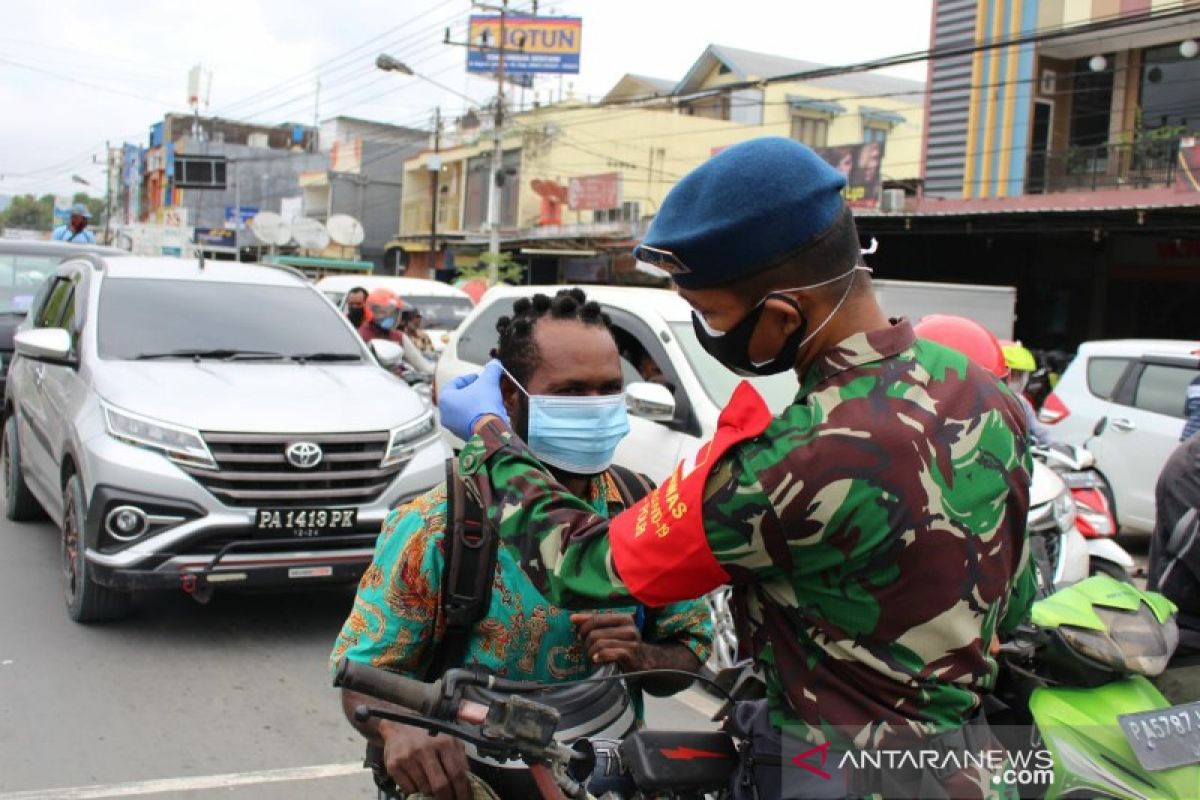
x=518 y=350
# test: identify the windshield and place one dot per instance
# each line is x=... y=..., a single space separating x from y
x=140 y=318
x=443 y=313
x=778 y=390
x=20 y=278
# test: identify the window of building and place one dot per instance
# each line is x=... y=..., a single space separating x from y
x=199 y=172
x=1170 y=102
x=1091 y=111
x=810 y=130
x=873 y=133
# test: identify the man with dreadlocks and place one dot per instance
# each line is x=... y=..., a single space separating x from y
x=563 y=392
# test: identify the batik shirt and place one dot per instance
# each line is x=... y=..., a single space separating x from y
x=397 y=621
x=874 y=533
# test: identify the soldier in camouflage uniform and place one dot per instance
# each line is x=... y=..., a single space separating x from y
x=874 y=532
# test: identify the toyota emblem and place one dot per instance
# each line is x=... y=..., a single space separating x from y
x=303 y=455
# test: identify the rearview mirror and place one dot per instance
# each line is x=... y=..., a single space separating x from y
x=52 y=345
x=650 y=401
x=387 y=352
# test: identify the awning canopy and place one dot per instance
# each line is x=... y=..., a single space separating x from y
x=829 y=107
x=309 y=262
x=880 y=115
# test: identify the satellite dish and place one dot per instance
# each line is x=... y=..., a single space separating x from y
x=310 y=233
x=345 y=230
x=269 y=228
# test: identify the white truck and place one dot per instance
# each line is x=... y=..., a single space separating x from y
x=992 y=306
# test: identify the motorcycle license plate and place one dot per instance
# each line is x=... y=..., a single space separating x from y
x=1164 y=738
x=305 y=522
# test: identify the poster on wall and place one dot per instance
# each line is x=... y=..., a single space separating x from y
x=1188 y=177
x=862 y=166
x=594 y=192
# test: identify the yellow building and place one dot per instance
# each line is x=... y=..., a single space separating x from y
x=581 y=181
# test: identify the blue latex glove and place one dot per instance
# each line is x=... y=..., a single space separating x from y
x=469 y=397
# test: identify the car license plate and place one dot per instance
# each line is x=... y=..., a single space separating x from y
x=305 y=522
x=1164 y=738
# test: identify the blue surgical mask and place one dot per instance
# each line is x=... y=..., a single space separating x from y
x=576 y=434
x=387 y=323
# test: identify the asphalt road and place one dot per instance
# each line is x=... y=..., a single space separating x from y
x=181 y=700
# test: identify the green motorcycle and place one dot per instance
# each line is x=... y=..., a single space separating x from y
x=1076 y=682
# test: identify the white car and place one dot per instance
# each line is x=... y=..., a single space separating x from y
x=1139 y=386
x=653 y=321
x=443 y=307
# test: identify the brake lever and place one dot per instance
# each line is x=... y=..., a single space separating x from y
x=489 y=747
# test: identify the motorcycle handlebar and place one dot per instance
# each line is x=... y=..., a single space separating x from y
x=423 y=698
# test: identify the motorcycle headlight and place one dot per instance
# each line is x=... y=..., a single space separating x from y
x=182 y=445
x=408 y=439
x=1063 y=509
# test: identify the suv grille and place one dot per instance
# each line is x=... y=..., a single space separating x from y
x=253 y=469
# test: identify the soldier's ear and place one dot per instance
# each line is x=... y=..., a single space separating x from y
x=784 y=313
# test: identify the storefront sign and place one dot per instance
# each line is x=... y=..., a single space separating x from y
x=531 y=44
x=216 y=237
x=595 y=192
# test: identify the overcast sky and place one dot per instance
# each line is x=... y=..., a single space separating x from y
x=74 y=75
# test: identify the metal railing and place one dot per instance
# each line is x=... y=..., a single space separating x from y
x=1145 y=164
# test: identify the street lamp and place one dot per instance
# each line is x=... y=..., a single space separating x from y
x=79 y=180
x=389 y=64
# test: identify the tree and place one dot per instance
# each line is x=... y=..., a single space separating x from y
x=94 y=204
x=29 y=212
x=507 y=270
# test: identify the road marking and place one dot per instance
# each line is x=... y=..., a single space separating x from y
x=192 y=784
x=695 y=699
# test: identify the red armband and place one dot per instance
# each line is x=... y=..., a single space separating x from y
x=658 y=545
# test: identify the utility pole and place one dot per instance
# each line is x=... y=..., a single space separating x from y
x=497 y=155
x=317 y=118
x=108 y=198
x=435 y=166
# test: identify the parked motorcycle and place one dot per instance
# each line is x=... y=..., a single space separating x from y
x=1079 y=674
x=1095 y=516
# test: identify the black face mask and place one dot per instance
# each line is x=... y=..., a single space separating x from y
x=355 y=315
x=732 y=348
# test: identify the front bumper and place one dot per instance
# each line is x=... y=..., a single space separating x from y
x=195 y=540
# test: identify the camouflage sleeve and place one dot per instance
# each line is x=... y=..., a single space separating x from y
x=394 y=622
x=1020 y=600
x=687 y=623
x=528 y=499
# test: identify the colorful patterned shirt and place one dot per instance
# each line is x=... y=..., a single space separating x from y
x=397 y=622
x=874 y=534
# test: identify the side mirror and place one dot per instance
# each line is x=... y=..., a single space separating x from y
x=1101 y=426
x=387 y=352
x=650 y=401
x=52 y=345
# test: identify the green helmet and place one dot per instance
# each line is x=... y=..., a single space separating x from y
x=1018 y=358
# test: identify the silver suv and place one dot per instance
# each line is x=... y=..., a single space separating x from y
x=191 y=425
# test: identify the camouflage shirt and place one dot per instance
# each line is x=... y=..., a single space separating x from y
x=874 y=534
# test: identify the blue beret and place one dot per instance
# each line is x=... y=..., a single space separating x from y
x=742 y=211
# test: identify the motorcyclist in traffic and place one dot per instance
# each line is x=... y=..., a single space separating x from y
x=1021 y=364
x=563 y=385
x=383 y=309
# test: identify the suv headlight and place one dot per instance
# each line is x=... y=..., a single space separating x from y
x=1064 y=511
x=408 y=439
x=182 y=445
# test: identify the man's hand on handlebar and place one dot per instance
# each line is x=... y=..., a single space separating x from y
x=432 y=765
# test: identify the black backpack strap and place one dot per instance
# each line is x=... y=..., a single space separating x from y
x=468 y=572
x=631 y=485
